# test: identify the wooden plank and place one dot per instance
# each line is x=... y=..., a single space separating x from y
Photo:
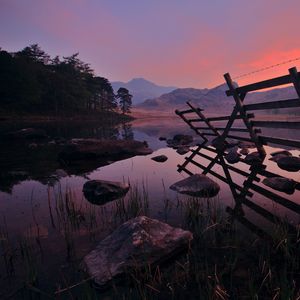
x=249 y=225
x=241 y=138
x=182 y=112
x=273 y=104
x=277 y=124
x=276 y=198
x=222 y=128
x=266 y=214
x=240 y=105
x=202 y=116
x=230 y=167
x=286 y=79
x=295 y=79
x=279 y=141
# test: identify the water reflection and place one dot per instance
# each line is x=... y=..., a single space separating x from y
x=246 y=185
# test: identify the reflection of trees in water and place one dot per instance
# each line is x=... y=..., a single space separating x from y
x=127 y=132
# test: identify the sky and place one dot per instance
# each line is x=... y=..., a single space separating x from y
x=189 y=43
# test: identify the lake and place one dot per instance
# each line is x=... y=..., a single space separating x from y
x=47 y=225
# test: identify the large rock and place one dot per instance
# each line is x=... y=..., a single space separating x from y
x=197 y=185
x=289 y=163
x=93 y=149
x=135 y=244
x=102 y=191
x=233 y=156
x=160 y=158
x=281 y=184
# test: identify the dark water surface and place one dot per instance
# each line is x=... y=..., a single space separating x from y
x=58 y=231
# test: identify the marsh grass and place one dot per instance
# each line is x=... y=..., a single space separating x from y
x=222 y=262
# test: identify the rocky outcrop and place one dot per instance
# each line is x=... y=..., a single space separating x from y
x=103 y=150
x=137 y=243
x=281 y=184
x=102 y=191
x=197 y=185
x=160 y=158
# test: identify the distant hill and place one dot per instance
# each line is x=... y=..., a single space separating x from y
x=142 y=89
x=212 y=100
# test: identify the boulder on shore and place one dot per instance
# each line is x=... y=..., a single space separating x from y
x=281 y=184
x=197 y=185
x=160 y=158
x=102 y=191
x=135 y=244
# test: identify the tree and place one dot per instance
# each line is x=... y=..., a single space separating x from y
x=125 y=101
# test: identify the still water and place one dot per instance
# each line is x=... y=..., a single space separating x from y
x=38 y=203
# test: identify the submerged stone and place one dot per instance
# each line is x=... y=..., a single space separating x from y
x=135 y=244
x=244 y=151
x=160 y=158
x=281 y=184
x=102 y=191
x=198 y=185
x=281 y=152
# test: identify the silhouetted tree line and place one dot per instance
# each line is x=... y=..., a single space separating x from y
x=32 y=81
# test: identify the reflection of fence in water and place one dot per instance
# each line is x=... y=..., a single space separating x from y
x=243 y=193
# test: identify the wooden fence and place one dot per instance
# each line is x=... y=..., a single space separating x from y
x=214 y=155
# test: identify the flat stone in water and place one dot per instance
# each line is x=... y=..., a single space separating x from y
x=197 y=185
x=102 y=191
x=135 y=244
x=160 y=158
x=289 y=163
x=281 y=184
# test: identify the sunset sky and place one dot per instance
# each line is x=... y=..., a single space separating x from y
x=188 y=43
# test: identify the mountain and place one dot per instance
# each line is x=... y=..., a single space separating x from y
x=212 y=100
x=142 y=89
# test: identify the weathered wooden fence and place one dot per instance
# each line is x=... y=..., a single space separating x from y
x=206 y=156
x=204 y=126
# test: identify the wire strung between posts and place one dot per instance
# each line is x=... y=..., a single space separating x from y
x=252 y=72
x=267 y=68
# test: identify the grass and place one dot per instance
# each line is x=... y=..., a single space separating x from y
x=222 y=262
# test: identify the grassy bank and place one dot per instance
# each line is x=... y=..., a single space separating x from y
x=222 y=262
